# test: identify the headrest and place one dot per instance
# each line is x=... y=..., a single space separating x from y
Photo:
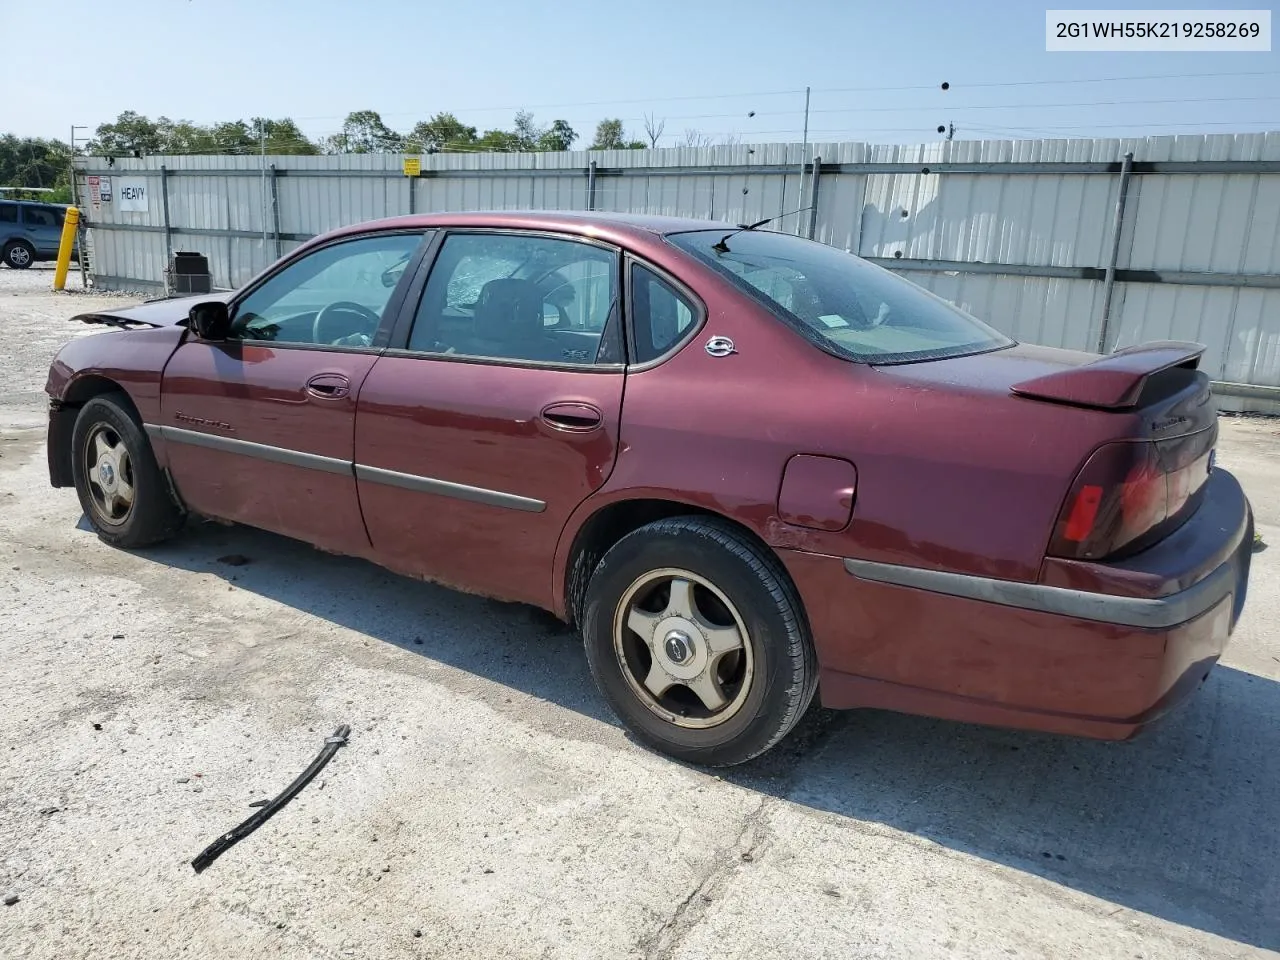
x=508 y=308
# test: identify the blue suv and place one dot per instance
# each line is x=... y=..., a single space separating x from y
x=29 y=232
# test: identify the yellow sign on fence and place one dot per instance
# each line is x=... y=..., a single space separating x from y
x=412 y=166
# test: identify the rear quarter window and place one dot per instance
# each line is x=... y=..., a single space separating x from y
x=8 y=213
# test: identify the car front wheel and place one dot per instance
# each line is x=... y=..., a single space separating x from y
x=697 y=639
x=19 y=255
x=121 y=488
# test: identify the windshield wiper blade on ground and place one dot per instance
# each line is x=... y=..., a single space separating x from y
x=238 y=833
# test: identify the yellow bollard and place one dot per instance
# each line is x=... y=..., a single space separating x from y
x=64 y=248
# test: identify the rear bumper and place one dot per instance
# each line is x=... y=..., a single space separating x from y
x=1038 y=656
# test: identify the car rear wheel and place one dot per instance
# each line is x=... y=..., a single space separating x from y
x=121 y=488
x=19 y=255
x=697 y=640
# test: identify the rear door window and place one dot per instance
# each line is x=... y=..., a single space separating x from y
x=527 y=298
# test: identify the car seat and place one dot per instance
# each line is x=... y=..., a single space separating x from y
x=508 y=321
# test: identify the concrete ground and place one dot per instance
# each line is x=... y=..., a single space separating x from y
x=488 y=805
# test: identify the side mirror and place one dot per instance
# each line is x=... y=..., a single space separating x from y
x=210 y=320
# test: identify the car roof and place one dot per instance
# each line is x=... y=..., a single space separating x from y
x=34 y=203
x=605 y=225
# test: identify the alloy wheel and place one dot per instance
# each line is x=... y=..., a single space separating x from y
x=683 y=648
x=109 y=471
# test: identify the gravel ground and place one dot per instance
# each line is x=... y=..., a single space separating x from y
x=488 y=806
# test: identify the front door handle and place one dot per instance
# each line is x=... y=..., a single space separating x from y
x=329 y=386
x=572 y=417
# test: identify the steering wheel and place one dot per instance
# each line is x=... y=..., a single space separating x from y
x=326 y=314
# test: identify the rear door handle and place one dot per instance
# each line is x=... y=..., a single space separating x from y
x=329 y=386
x=572 y=417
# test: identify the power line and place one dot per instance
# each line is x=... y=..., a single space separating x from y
x=583 y=103
x=957 y=108
x=1053 y=106
x=797 y=92
x=1274 y=124
x=931 y=129
x=1152 y=76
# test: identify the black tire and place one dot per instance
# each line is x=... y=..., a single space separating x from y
x=152 y=515
x=19 y=254
x=783 y=674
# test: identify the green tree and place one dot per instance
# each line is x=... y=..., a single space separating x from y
x=528 y=134
x=501 y=141
x=284 y=137
x=444 y=131
x=608 y=136
x=180 y=136
x=559 y=136
x=364 y=132
x=30 y=162
x=611 y=136
x=130 y=134
x=234 y=136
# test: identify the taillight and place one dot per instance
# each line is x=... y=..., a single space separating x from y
x=1130 y=493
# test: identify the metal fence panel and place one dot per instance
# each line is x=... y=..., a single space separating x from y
x=1020 y=245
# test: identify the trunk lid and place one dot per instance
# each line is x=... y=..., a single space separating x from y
x=1160 y=383
x=1145 y=454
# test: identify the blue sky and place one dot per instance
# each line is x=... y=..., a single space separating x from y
x=874 y=68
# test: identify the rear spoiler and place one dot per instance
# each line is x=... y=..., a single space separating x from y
x=1113 y=382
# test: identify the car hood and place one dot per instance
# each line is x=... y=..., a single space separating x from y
x=170 y=312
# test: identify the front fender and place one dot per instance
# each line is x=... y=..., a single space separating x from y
x=131 y=362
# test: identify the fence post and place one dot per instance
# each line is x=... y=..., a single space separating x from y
x=164 y=203
x=275 y=209
x=813 y=196
x=82 y=235
x=591 y=185
x=1109 y=281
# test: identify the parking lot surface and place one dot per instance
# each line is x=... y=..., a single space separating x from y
x=488 y=805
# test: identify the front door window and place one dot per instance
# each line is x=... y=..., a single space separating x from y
x=335 y=296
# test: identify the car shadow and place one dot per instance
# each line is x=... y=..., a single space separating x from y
x=1182 y=823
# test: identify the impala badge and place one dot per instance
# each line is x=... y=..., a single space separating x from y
x=720 y=347
x=201 y=421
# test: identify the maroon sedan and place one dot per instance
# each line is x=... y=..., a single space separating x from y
x=745 y=465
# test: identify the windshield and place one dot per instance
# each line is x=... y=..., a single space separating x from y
x=842 y=303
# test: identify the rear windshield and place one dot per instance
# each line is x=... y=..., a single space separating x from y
x=844 y=304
